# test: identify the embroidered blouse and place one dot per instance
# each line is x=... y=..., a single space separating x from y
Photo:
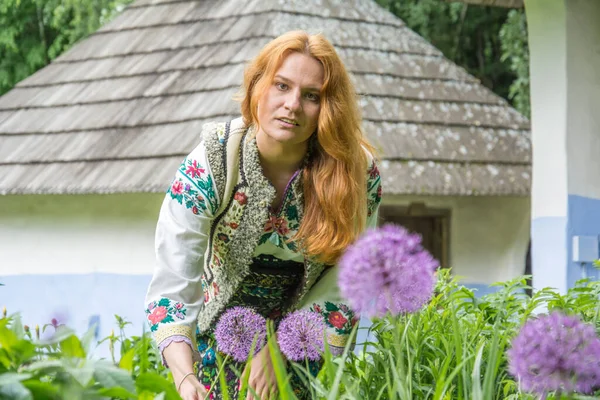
x=198 y=224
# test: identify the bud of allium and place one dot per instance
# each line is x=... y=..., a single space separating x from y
x=387 y=269
x=37 y=332
x=4 y=312
x=111 y=342
x=26 y=328
x=300 y=335
x=556 y=353
x=236 y=330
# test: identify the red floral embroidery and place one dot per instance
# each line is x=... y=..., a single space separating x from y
x=164 y=311
x=374 y=171
x=177 y=187
x=158 y=314
x=278 y=224
x=194 y=170
x=240 y=198
x=337 y=319
x=233 y=225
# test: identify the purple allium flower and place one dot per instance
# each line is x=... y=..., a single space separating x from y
x=58 y=321
x=300 y=335
x=556 y=352
x=387 y=269
x=236 y=330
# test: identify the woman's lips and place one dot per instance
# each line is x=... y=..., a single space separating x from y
x=286 y=124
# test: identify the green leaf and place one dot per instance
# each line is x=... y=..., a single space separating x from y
x=82 y=372
x=71 y=347
x=44 y=366
x=9 y=378
x=146 y=396
x=126 y=361
x=108 y=375
x=15 y=391
x=88 y=338
x=329 y=306
x=23 y=351
x=42 y=390
x=155 y=383
x=117 y=392
x=17 y=326
x=7 y=338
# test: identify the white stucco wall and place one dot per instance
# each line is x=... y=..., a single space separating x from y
x=488 y=235
x=115 y=234
x=583 y=97
x=547 y=42
x=80 y=259
x=78 y=234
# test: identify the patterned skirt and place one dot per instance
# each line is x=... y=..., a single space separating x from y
x=267 y=289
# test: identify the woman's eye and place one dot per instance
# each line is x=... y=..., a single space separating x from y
x=312 y=96
x=281 y=86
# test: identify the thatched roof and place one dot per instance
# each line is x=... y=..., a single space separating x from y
x=497 y=3
x=119 y=110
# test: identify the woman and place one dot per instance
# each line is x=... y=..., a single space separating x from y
x=262 y=209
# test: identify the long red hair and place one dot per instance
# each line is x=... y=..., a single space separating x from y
x=335 y=187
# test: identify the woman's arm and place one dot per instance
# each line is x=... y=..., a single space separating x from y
x=175 y=295
x=179 y=357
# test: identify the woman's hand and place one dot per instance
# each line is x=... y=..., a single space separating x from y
x=262 y=376
x=179 y=358
x=192 y=389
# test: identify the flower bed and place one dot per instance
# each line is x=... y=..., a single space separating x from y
x=439 y=342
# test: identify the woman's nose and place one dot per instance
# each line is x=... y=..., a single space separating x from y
x=292 y=101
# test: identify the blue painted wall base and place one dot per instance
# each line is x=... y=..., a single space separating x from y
x=78 y=300
x=584 y=220
x=549 y=252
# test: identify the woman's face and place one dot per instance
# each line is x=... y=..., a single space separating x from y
x=288 y=111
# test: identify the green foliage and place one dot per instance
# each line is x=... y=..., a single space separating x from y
x=454 y=348
x=59 y=367
x=489 y=42
x=515 y=49
x=35 y=32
